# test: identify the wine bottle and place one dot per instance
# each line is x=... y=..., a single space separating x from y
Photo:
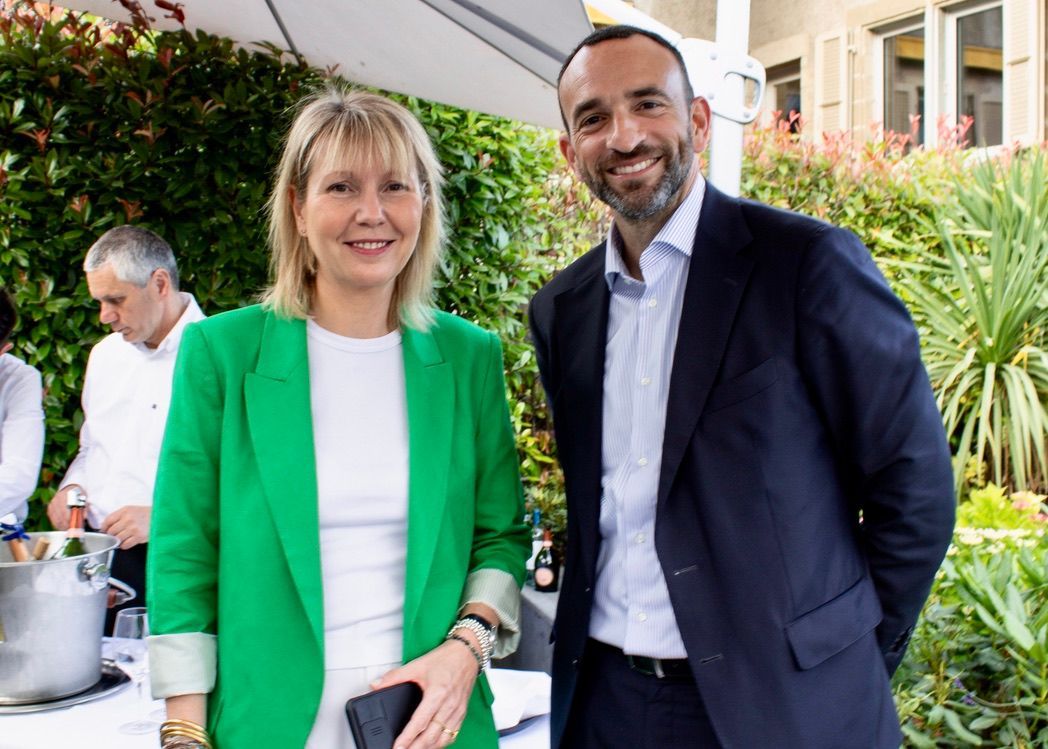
x=529 y=565
x=536 y=538
x=15 y=535
x=547 y=567
x=73 y=546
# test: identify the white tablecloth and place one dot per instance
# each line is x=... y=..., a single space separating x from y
x=93 y=725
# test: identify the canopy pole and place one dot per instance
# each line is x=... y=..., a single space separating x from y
x=733 y=35
x=283 y=28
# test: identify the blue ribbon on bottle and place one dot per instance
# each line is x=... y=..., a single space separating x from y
x=15 y=531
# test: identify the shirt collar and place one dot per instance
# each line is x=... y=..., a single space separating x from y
x=678 y=232
x=190 y=314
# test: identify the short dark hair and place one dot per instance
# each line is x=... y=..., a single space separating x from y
x=8 y=316
x=623 y=31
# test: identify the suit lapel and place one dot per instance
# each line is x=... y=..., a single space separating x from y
x=582 y=330
x=431 y=409
x=716 y=278
x=281 y=426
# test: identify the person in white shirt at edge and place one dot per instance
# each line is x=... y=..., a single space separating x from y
x=21 y=420
x=131 y=273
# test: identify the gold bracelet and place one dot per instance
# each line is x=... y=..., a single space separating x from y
x=195 y=732
x=179 y=723
x=183 y=734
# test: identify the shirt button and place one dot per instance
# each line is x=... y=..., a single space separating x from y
x=645 y=380
x=642 y=617
x=639 y=538
x=653 y=302
x=642 y=462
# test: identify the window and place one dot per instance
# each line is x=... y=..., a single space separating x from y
x=903 y=94
x=979 y=73
x=784 y=91
x=943 y=66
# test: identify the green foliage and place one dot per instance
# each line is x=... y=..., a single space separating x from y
x=104 y=125
x=871 y=186
x=988 y=507
x=100 y=127
x=976 y=673
x=979 y=293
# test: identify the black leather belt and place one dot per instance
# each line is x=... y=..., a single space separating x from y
x=660 y=668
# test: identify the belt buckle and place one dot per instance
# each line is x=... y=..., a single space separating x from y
x=656 y=669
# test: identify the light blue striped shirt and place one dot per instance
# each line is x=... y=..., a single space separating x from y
x=631 y=607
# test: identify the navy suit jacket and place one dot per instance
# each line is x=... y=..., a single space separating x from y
x=805 y=500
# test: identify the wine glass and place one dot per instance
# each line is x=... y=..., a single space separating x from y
x=130 y=631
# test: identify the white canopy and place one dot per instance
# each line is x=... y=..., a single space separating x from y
x=495 y=56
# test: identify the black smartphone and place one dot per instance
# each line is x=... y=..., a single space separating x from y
x=378 y=717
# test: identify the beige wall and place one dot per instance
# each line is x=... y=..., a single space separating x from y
x=692 y=18
x=828 y=36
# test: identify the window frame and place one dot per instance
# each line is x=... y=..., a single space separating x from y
x=881 y=35
x=949 y=69
x=939 y=21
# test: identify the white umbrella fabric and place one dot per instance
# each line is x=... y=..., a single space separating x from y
x=497 y=56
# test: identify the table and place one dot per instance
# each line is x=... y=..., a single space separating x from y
x=93 y=725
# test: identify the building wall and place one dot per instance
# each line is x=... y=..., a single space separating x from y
x=834 y=47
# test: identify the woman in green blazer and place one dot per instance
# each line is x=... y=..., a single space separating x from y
x=338 y=490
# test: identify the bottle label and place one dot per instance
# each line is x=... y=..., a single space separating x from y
x=543 y=576
x=75 y=532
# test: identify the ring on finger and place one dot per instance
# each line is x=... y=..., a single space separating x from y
x=452 y=732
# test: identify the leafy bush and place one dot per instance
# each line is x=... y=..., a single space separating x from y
x=976 y=673
x=988 y=507
x=104 y=125
x=869 y=185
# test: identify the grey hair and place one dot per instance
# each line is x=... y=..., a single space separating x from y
x=134 y=253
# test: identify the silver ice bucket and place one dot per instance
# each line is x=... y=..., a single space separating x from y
x=51 y=618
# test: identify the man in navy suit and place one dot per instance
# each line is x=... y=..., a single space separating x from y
x=759 y=487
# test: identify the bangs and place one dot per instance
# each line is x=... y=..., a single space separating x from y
x=363 y=140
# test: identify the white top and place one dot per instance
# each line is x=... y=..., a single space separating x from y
x=127 y=392
x=360 y=435
x=21 y=434
x=631 y=603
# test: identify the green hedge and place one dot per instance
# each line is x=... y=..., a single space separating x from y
x=877 y=187
x=101 y=126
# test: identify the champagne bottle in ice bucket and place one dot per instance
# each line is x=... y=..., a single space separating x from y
x=14 y=534
x=76 y=501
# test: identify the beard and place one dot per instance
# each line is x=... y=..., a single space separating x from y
x=642 y=203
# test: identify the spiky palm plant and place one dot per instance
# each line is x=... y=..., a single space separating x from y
x=979 y=294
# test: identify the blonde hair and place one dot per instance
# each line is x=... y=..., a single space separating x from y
x=339 y=123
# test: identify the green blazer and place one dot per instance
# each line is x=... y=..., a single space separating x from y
x=234 y=549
